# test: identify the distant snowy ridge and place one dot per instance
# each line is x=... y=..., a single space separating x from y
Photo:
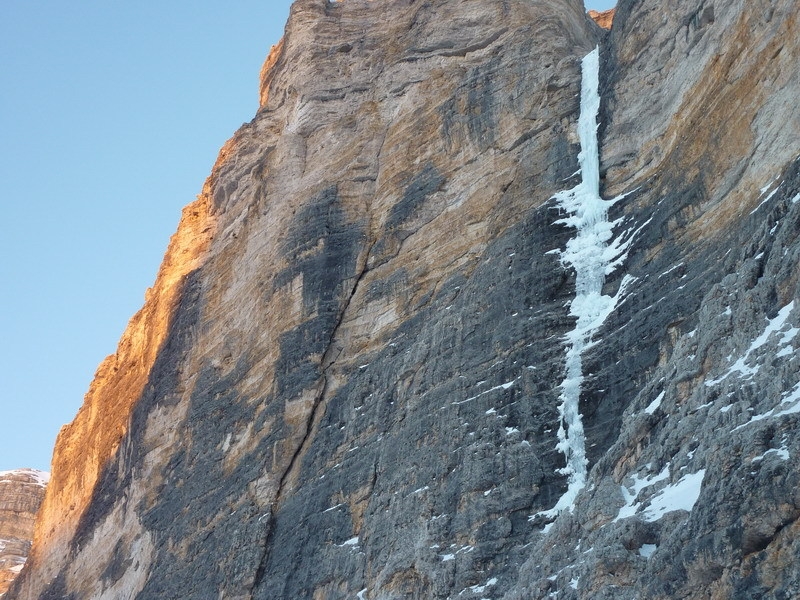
x=594 y=253
x=40 y=477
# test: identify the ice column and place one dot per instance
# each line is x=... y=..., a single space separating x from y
x=593 y=253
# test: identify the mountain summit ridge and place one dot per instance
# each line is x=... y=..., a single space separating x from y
x=347 y=379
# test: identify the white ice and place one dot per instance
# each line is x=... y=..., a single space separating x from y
x=593 y=253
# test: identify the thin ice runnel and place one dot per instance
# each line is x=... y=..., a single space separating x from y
x=594 y=253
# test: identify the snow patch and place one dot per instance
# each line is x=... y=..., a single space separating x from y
x=782 y=453
x=41 y=478
x=765 y=200
x=671 y=269
x=680 y=496
x=630 y=495
x=741 y=366
x=479 y=589
x=651 y=408
x=647 y=550
x=502 y=386
x=792 y=398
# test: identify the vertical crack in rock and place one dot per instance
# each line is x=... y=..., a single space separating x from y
x=594 y=253
x=314 y=417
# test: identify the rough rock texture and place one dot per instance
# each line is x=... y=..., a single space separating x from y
x=84 y=446
x=21 y=494
x=697 y=376
x=345 y=383
x=604 y=18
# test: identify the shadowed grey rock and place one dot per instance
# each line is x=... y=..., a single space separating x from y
x=356 y=385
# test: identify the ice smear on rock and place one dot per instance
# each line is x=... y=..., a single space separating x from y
x=593 y=253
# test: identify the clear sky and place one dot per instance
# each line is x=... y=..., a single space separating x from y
x=111 y=116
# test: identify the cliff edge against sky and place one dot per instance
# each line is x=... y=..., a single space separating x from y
x=351 y=378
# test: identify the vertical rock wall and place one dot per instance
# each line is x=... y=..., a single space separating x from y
x=365 y=326
x=345 y=382
x=84 y=447
x=693 y=396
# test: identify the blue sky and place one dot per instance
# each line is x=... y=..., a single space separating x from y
x=111 y=116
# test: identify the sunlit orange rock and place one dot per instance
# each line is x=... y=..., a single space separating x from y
x=604 y=18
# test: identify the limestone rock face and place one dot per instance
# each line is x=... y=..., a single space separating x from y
x=696 y=497
x=346 y=380
x=603 y=18
x=21 y=494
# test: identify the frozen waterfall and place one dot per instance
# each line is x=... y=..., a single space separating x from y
x=593 y=252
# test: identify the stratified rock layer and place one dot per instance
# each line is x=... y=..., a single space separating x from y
x=604 y=18
x=696 y=379
x=345 y=382
x=21 y=494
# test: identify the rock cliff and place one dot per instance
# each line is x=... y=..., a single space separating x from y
x=604 y=18
x=21 y=494
x=392 y=352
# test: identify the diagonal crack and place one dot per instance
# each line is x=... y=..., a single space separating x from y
x=314 y=418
